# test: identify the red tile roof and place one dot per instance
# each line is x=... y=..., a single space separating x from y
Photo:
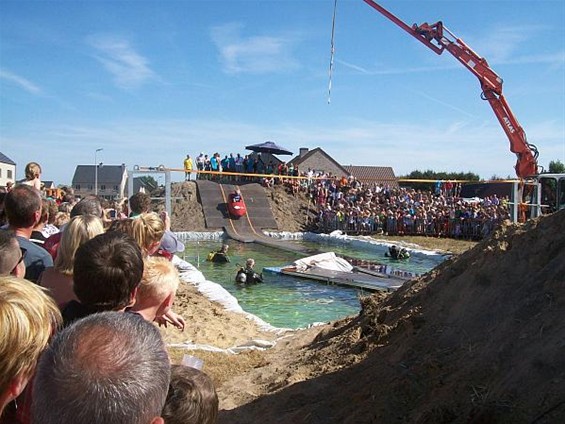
x=373 y=174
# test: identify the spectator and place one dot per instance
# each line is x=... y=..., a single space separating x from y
x=50 y=228
x=109 y=368
x=192 y=398
x=107 y=271
x=11 y=255
x=139 y=203
x=90 y=205
x=28 y=318
x=157 y=290
x=23 y=211
x=200 y=164
x=37 y=235
x=59 y=278
x=187 y=167
x=147 y=230
x=33 y=175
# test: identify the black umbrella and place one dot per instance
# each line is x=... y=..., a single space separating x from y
x=269 y=147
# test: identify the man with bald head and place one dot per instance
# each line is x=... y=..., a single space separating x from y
x=107 y=368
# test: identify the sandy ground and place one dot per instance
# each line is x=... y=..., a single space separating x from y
x=480 y=339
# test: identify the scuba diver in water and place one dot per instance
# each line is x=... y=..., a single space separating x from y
x=396 y=252
x=219 y=256
x=247 y=276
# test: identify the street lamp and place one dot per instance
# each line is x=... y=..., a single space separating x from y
x=96 y=171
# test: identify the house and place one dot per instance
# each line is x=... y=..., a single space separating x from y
x=48 y=184
x=318 y=161
x=110 y=180
x=7 y=170
x=373 y=175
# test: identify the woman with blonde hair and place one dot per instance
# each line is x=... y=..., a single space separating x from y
x=148 y=229
x=59 y=278
x=28 y=318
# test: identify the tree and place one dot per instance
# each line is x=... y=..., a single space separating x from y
x=556 y=167
x=148 y=182
x=434 y=176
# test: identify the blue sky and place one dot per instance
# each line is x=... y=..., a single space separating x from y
x=152 y=81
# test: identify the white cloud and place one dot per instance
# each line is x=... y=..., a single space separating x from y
x=505 y=44
x=129 y=68
x=20 y=81
x=256 y=54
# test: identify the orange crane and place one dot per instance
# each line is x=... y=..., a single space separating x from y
x=438 y=38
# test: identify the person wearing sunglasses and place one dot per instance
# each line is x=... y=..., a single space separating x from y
x=12 y=256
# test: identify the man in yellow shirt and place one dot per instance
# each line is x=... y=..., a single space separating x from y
x=187 y=167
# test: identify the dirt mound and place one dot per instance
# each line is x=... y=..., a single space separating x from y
x=481 y=339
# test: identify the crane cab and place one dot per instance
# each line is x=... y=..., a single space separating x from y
x=538 y=195
x=551 y=192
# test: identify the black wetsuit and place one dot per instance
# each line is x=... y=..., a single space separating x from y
x=251 y=277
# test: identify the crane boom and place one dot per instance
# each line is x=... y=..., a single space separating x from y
x=438 y=39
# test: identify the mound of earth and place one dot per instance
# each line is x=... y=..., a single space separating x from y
x=480 y=339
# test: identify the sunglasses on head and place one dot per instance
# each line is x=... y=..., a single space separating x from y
x=22 y=257
x=24 y=253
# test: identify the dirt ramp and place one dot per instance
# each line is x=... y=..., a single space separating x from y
x=481 y=339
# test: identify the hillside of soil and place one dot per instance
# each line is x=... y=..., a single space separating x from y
x=480 y=339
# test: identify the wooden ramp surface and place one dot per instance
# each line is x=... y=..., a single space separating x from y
x=248 y=228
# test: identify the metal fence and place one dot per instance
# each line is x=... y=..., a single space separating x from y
x=462 y=228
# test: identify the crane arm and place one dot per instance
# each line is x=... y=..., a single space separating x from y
x=438 y=39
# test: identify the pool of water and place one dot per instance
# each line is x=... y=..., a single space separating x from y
x=285 y=301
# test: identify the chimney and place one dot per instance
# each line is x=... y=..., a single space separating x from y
x=303 y=151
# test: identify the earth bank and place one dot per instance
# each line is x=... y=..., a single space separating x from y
x=479 y=339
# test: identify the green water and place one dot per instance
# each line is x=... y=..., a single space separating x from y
x=284 y=301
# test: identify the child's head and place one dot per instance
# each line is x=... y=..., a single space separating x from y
x=158 y=285
x=250 y=263
x=32 y=171
x=192 y=398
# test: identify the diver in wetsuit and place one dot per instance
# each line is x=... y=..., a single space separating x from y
x=395 y=252
x=220 y=256
x=247 y=276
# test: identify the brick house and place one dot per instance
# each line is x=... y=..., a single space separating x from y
x=318 y=161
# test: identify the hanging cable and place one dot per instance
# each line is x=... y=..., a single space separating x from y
x=332 y=51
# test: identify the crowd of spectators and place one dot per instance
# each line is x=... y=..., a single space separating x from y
x=359 y=208
x=213 y=165
x=79 y=307
x=354 y=207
